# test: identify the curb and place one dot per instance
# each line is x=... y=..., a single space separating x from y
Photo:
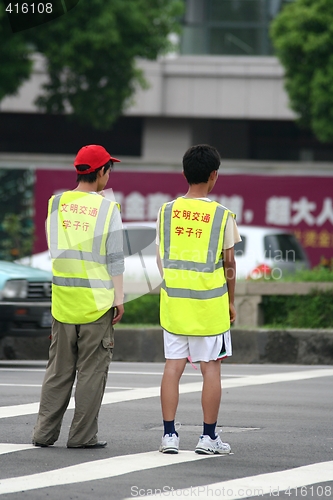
x=303 y=347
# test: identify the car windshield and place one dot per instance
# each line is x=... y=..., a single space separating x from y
x=138 y=239
x=283 y=247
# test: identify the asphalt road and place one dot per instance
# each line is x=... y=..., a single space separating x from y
x=278 y=420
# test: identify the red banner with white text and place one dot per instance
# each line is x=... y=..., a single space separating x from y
x=301 y=204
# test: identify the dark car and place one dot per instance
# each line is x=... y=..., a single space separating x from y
x=25 y=300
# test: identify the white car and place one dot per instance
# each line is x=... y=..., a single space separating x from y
x=262 y=252
x=266 y=251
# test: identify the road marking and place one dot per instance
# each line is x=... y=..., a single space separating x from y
x=235 y=489
x=98 y=469
x=113 y=387
x=23 y=369
x=10 y=448
x=20 y=385
x=112 y=372
x=272 y=484
x=151 y=392
x=272 y=378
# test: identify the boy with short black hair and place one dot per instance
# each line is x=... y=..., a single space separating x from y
x=196 y=238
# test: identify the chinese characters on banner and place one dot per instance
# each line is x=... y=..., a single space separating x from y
x=311 y=221
x=303 y=205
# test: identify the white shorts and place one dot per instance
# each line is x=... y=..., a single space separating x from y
x=197 y=348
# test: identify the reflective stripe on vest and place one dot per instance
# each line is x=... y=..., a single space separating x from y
x=79 y=282
x=194 y=293
x=182 y=293
x=77 y=227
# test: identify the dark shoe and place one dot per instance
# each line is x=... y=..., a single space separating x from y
x=99 y=444
x=42 y=445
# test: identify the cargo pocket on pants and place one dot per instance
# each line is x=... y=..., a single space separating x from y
x=108 y=342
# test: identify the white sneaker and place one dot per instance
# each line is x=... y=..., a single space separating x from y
x=169 y=444
x=209 y=446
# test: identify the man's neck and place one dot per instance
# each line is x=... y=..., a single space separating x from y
x=86 y=187
x=197 y=191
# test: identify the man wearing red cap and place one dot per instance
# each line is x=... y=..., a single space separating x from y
x=84 y=233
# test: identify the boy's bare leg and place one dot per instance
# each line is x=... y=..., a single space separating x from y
x=211 y=390
x=173 y=370
x=209 y=442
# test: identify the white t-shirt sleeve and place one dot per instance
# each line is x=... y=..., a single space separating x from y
x=231 y=234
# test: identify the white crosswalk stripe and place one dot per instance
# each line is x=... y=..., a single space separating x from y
x=234 y=489
x=98 y=469
x=11 y=448
x=151 y=392
x=264 y=484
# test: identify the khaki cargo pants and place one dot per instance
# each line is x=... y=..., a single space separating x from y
x=86 y=350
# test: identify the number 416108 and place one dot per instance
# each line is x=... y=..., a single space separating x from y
x=29 y=8
x=310 y=491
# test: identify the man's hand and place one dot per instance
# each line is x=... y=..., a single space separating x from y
x=118 y=313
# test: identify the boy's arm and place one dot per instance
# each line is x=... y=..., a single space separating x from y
x=115 y=259
x=158 y=260
x=229 y=265
x=118 y=303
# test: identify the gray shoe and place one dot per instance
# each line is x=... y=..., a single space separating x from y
x=42 y=445
x=169 y=444
x=209 y=446
x=99 y=444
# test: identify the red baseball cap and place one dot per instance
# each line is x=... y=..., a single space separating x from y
x=93 y=155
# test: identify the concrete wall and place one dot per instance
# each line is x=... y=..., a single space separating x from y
x=185 y=89
x=192 y=87
x=213 y=87
x=303 y=347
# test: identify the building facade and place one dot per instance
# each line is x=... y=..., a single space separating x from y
x=225 y=88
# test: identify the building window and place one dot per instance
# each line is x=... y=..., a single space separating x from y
x=229 y=27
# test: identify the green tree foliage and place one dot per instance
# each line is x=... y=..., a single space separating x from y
x=302 y=35
x=143 y=310
x=314 y=310
x=299 y=311
x=91 y=52
x=16 y=213
x=15 y=63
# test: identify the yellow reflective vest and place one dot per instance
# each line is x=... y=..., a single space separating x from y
x=194 y=296
x=77 y=227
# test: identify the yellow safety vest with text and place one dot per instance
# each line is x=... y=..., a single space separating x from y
x=77 y=229
x=194 y=296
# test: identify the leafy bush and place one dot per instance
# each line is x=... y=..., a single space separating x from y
x=280 y=311
x=318 y=273
x=142 y=310
x=314 y=310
